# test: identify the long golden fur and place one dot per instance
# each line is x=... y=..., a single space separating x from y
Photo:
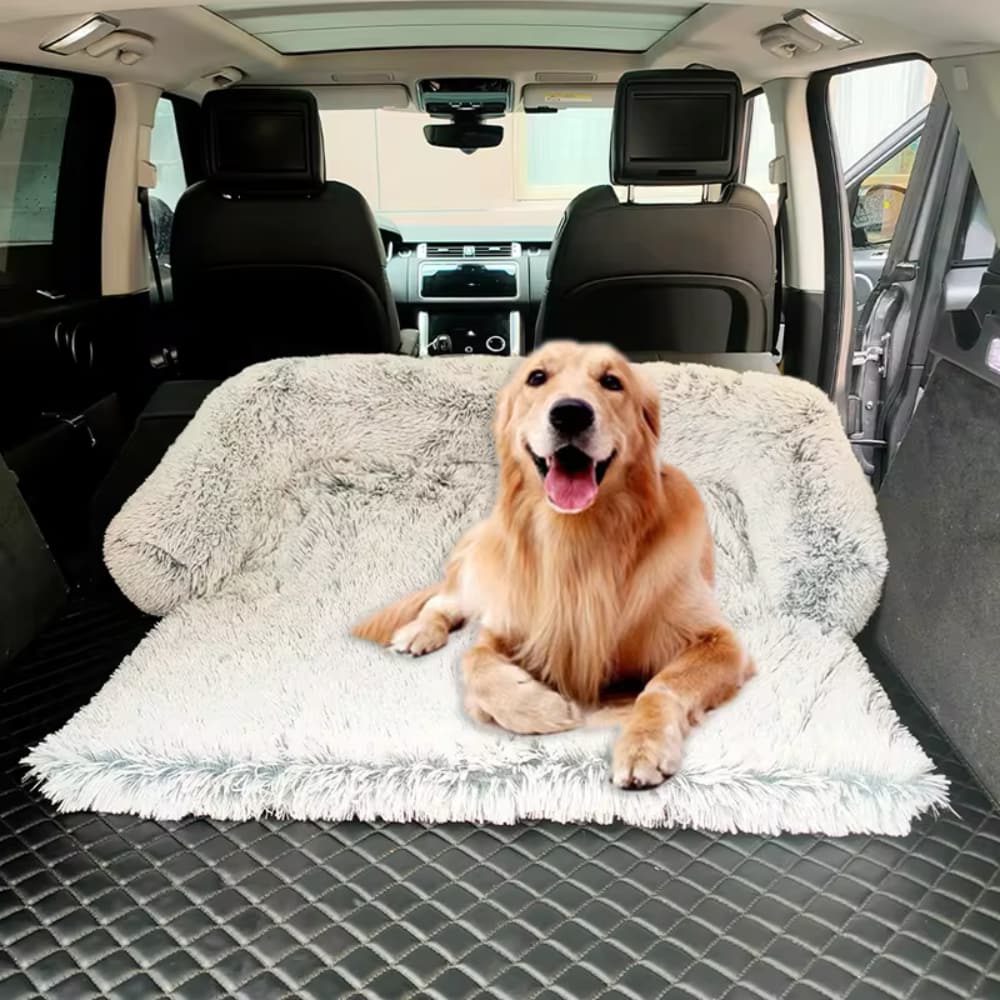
x=574 y=603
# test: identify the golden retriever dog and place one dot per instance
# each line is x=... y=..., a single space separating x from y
x=593 y=571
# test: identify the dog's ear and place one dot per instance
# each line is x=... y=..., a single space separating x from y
x=502 y=415
x=650 y=396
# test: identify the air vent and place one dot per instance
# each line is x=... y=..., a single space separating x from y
x=468 y=251
x=494 y=250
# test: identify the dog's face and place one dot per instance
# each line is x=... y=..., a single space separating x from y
x=577 y=416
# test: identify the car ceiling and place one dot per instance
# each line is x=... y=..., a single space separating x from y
x=191 y=42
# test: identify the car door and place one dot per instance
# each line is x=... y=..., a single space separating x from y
x=64 y=349
x=919 y=307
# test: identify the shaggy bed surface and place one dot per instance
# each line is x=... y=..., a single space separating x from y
x=306 y=493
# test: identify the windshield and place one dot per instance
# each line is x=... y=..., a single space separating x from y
x=523 y=184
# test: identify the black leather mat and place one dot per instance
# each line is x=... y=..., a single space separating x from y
x=104 y=906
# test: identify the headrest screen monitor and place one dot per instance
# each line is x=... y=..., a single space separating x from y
x=268 y=142
x=677 y=127
x=258 y=139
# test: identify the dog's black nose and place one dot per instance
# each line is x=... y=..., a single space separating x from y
x=571 y=416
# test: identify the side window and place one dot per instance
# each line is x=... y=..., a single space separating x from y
x=165 y=154
x=878 y=114
x=34 y=113
x=761 y=150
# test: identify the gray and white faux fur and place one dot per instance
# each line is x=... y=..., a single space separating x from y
x=308 y=492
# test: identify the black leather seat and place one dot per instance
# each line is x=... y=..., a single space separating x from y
x=650 y=278
x=269 y=259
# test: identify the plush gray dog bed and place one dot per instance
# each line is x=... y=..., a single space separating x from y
x=306 y=493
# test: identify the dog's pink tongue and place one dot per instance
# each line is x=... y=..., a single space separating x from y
x=570 y=490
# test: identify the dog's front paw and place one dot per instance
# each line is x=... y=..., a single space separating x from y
x=418 y=638
x=644 y=759
x=515 y=701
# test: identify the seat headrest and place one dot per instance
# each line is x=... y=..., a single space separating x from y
x=677 y=126
x=261 y=140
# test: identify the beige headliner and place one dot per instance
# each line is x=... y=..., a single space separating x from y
x=191 y=42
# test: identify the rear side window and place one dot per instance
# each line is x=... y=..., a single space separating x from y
x=34 y=114
x=165 y=154
x=55 y=133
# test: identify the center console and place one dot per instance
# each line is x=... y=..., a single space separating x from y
x=469 y=333
x=470 y=299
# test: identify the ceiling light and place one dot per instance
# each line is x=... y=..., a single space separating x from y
x=818 y=29
x=96 y=27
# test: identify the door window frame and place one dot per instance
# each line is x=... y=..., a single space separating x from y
x=838 y=299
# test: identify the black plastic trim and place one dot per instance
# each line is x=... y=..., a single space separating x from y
x=187 y=115
x=821 y=368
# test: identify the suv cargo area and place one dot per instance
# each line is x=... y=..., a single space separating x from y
x=440 y=187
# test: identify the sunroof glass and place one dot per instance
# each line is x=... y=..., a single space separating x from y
x=326 y=27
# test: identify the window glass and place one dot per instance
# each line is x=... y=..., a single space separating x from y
x=867 y=105
x=566 y=151
x=34 y=110
x=543 y=162
x=874 y=109
x=165 y=154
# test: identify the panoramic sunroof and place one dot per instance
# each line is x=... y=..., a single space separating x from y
x=377 y=24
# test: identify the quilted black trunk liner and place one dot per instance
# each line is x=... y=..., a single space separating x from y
x=109 y=906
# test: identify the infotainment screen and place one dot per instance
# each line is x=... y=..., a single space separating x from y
x=468 y=281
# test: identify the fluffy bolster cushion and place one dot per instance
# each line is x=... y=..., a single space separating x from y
x=794 y=520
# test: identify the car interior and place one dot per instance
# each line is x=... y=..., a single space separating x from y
x=187 y=190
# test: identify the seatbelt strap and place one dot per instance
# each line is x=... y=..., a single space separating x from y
x=779 y=178
x=147 y=227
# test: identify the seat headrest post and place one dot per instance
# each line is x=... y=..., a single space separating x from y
x=263 y=140
x=674 y=127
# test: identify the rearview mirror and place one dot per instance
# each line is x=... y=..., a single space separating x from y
x=466 y=136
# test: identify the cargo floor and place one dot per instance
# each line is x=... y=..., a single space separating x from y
x=115 y=906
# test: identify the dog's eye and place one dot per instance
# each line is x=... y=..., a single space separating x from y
x=611 y=382
x=537 y=377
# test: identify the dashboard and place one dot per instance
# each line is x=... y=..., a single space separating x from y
x=469 y=297
x=469 y=274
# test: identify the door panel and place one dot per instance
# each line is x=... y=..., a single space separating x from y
x=77 y=378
